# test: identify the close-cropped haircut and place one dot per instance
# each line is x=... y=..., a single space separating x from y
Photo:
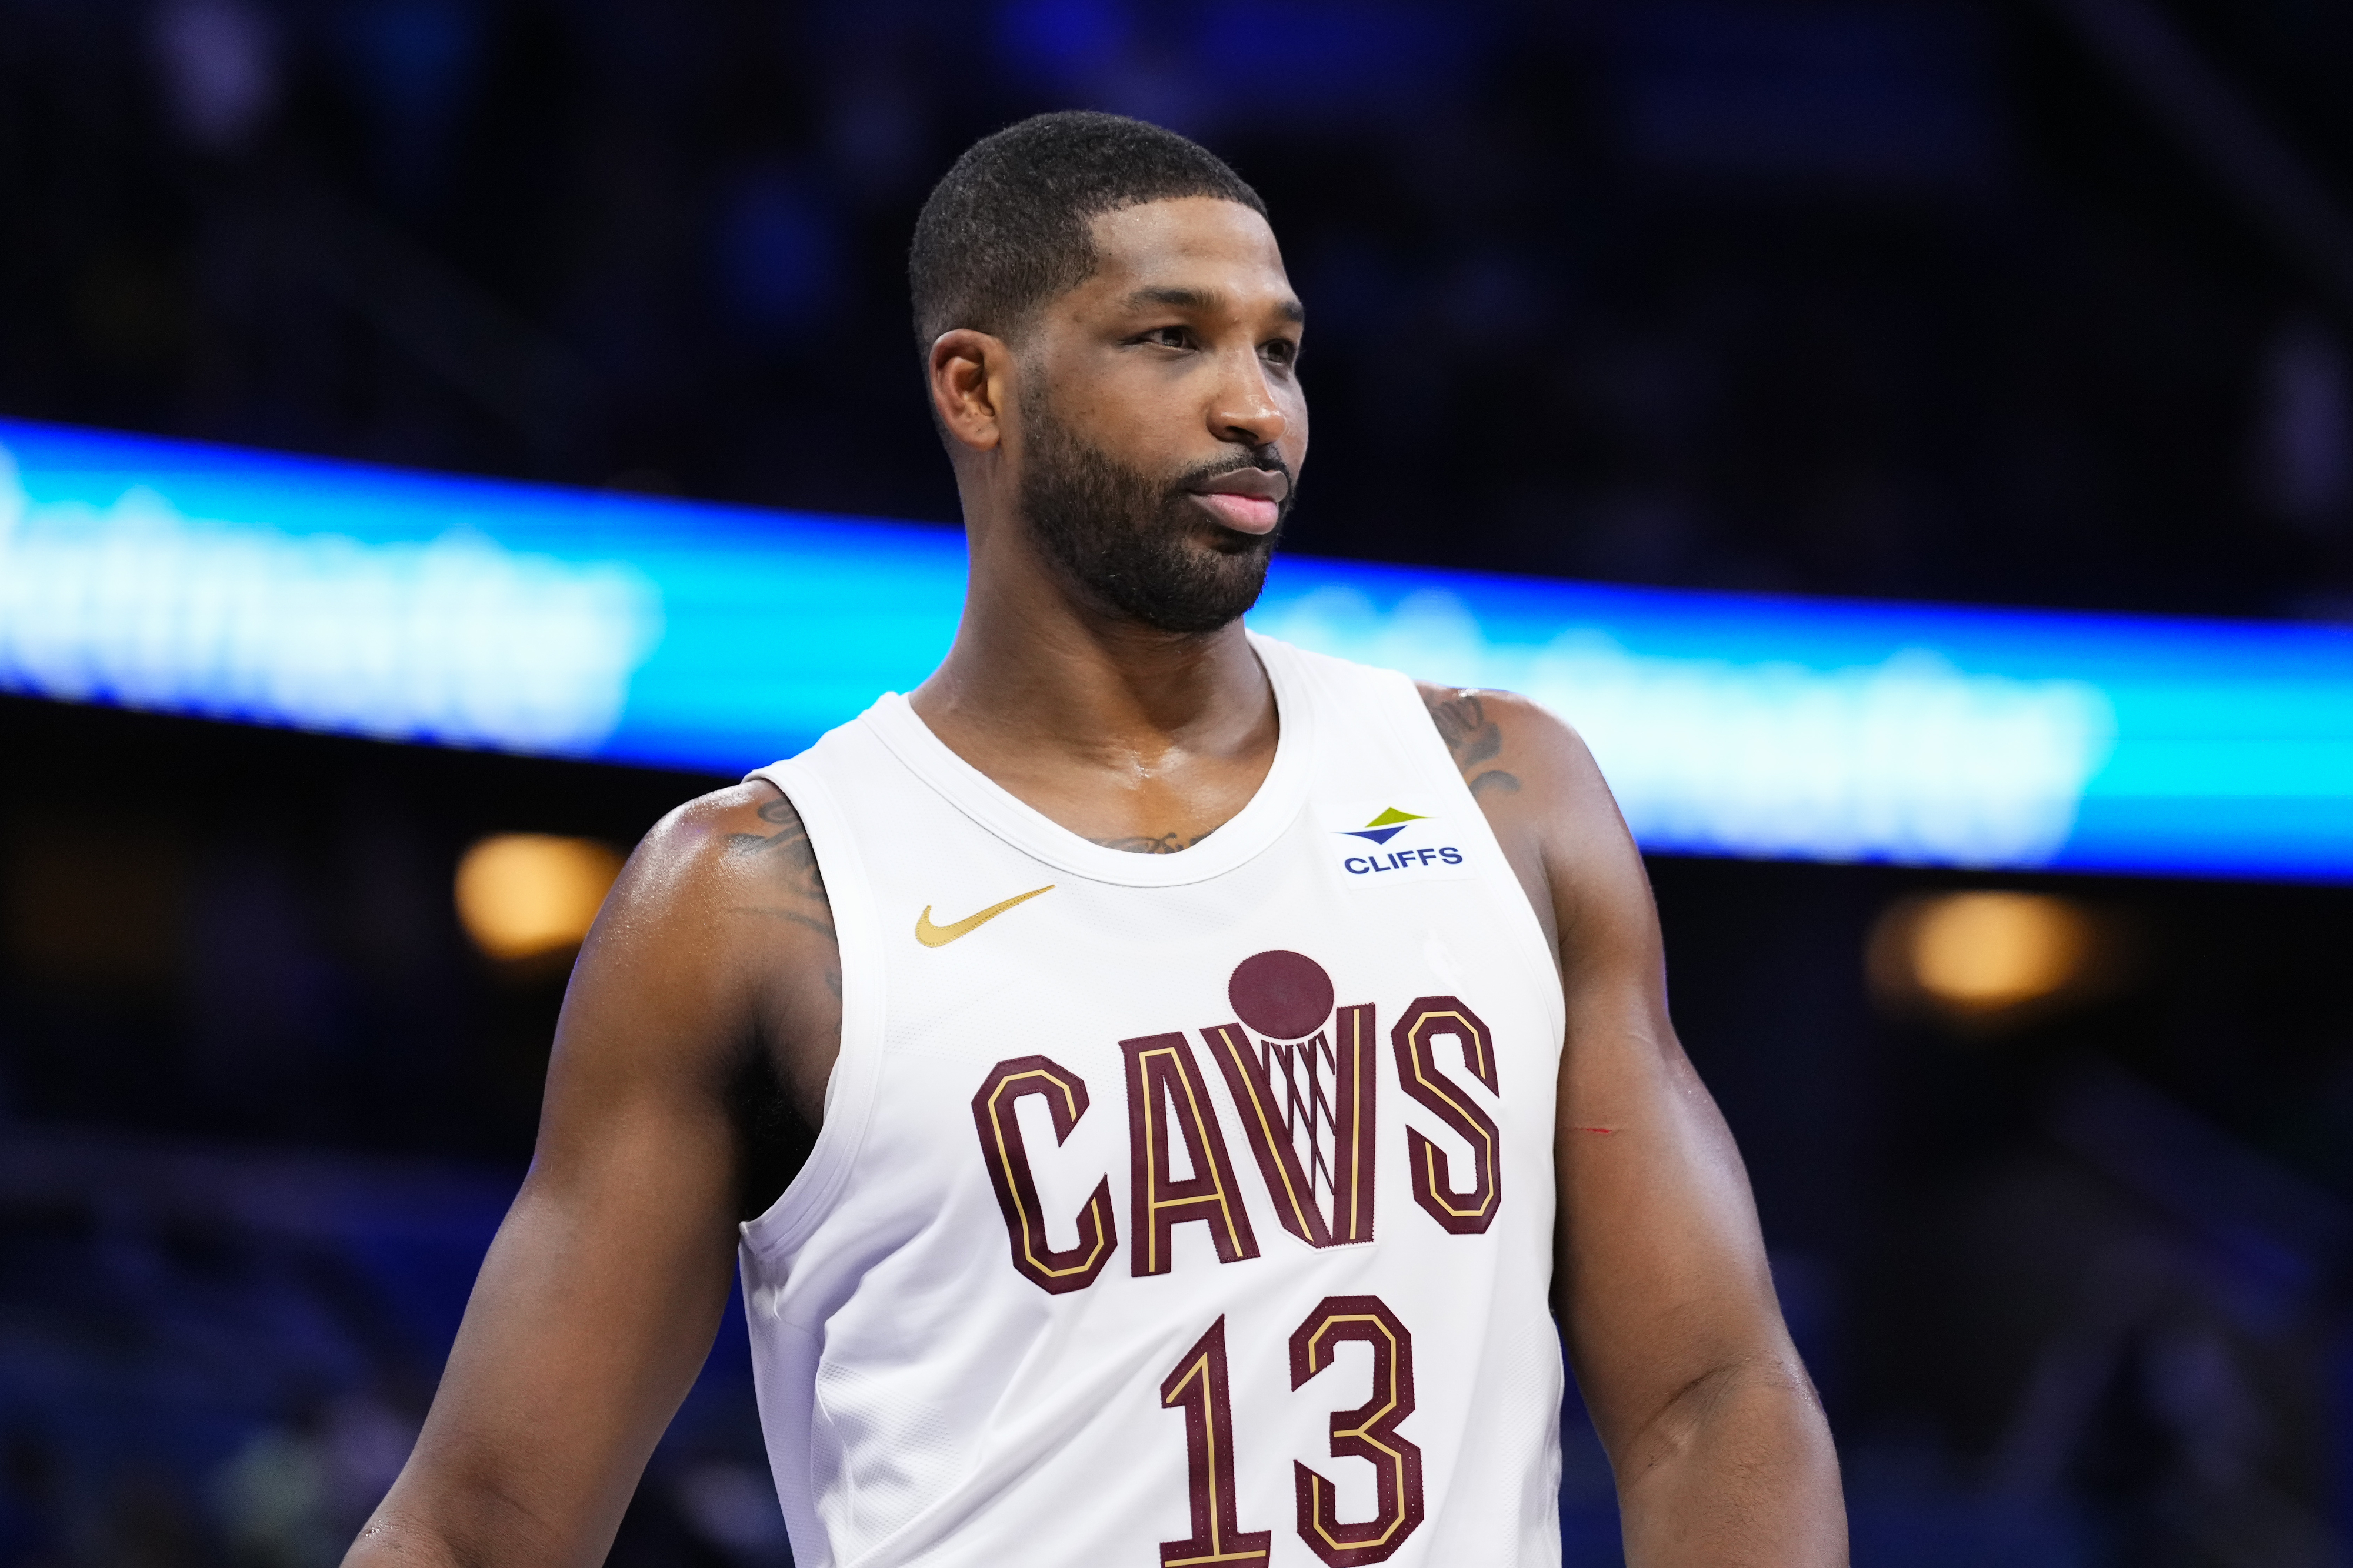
x=1007 y=228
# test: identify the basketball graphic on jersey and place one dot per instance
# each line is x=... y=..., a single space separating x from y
x=1306 y=1088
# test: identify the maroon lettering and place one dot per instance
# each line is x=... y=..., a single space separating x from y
x=1332 y=1112
x=1369 y=1433
x=1071 y=1268
x=1199 y=1386
x=1416 y=1036
x=1168 y=1100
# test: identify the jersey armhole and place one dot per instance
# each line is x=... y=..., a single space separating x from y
x=850 y=1089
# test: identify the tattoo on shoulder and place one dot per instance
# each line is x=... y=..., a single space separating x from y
x=791 y=862
x=1473 y=738
x=1165 y=844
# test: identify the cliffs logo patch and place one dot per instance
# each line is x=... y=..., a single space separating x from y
x=1394 y=841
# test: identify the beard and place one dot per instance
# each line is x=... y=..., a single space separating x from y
x=1136 y=544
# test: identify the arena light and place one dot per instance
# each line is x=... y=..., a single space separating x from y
x=521 y=895
x=245 y=585
x=1982 y=952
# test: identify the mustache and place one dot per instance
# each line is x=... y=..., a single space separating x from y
x=1267 y=459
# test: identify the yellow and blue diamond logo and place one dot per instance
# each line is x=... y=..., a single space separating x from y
x=1384 y=826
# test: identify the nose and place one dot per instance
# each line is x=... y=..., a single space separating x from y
x=1246 y=410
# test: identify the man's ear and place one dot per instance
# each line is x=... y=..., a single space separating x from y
x=971 y=375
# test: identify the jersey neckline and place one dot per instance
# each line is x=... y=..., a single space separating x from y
x=1270 y=811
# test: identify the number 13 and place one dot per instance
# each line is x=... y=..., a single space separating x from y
x=1197 y=1385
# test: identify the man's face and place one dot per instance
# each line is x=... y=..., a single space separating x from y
x=1162 y=423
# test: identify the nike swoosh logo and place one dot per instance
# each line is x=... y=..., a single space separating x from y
x=931 y=936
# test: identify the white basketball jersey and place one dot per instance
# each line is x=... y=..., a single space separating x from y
x=1171 y=1210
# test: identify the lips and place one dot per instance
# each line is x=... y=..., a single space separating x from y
x=1244 y=514
x=1249 y=500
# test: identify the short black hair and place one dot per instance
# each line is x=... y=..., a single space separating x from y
x=1006 y=230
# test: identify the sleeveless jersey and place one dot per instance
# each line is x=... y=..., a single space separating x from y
x=1171 y=1210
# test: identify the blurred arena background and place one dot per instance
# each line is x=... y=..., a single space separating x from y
x=2030 y=303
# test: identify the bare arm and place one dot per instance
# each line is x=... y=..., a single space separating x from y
x=1722 y=1455
x=705 y=1009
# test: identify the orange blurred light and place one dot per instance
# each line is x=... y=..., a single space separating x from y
x=524 y=894
x=1983 y=952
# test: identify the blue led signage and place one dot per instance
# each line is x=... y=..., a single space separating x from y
x=235 y=584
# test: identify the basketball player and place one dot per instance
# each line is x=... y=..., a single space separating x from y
x=1226 y=1063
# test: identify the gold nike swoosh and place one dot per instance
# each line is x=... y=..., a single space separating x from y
x=931 y=936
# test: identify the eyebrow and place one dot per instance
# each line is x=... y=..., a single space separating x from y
x=1180 y=298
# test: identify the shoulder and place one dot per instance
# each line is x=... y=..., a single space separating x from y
x=1505 y=743
x=719 y=931
x=746 y=829
x=714 y=871
x=709 y=826
x=1550 y=809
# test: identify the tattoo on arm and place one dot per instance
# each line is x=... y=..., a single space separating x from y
x=791 y=863
x=1473 y=738
x=785 y=852
x=1165 y=844
x=776 y=1109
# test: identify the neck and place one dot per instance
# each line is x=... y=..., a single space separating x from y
x=1114 y=729
x=1033 y=661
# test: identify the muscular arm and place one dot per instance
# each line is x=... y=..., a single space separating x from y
x=701 y=1023
x=1721 y=1453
